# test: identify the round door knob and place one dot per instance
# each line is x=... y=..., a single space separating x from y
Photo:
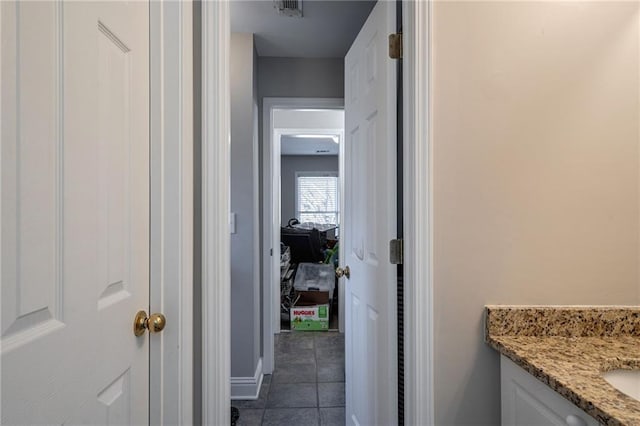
x=343 y=272
x=154 y=323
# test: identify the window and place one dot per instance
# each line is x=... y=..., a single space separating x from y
x=317 y=197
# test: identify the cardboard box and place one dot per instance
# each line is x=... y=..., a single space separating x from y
x=311 y=311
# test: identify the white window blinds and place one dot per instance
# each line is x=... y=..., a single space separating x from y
x=317 y=198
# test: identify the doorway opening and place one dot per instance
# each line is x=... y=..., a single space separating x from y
x=370 y=75
x=302 y=192
x=308 y=142
x=417 y=215
x=302 y=195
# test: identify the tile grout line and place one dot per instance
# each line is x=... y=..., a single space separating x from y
x=266 y=400
x=315 y=357
x=264 y=410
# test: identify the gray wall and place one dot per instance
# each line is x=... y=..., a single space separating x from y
x=289 y=165
x=245 y=270
x=535 y=175
x=301 y=77
x=298 y=78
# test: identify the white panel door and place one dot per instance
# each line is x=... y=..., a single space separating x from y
x=370 y=222
x=74 y=211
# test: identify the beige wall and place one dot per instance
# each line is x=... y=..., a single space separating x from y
x=536 y=173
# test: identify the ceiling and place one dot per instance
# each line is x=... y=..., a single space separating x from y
x=291 y=145
x=326 y=29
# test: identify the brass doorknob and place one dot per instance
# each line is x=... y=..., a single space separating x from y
x=346 y=272
x=154 y=323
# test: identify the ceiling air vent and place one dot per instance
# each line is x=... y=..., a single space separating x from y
x=289 y=7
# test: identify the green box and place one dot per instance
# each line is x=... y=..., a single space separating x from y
x=311 y=311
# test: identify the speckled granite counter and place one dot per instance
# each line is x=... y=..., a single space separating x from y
x=568 y=348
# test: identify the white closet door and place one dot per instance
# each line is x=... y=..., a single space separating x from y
x=74 y=211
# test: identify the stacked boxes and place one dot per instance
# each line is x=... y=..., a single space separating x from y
x=314 y=285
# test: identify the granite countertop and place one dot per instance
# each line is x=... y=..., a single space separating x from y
x=568 y=348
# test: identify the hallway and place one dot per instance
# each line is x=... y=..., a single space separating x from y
x=307 y=386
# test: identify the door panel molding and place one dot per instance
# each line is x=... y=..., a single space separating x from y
x=33 y=288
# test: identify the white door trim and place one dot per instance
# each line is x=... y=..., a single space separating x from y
x=419 y=407
x=418 y=214
x=216 y=276
x=271 y=218
x=171 y=133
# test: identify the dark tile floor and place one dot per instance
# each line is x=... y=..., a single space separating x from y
x=307 y=386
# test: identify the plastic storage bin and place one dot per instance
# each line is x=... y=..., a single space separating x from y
x=315 y=277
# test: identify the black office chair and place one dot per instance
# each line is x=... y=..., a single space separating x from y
x=305 y=244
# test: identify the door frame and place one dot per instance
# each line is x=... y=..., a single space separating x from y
x=215 y=196
x=271 y=213
x=417 y=130
x=171 y=210
x=417 y=148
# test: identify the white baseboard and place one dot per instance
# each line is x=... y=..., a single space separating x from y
x=247 y=387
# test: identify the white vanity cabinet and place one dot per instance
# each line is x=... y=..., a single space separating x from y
x=528 y=401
